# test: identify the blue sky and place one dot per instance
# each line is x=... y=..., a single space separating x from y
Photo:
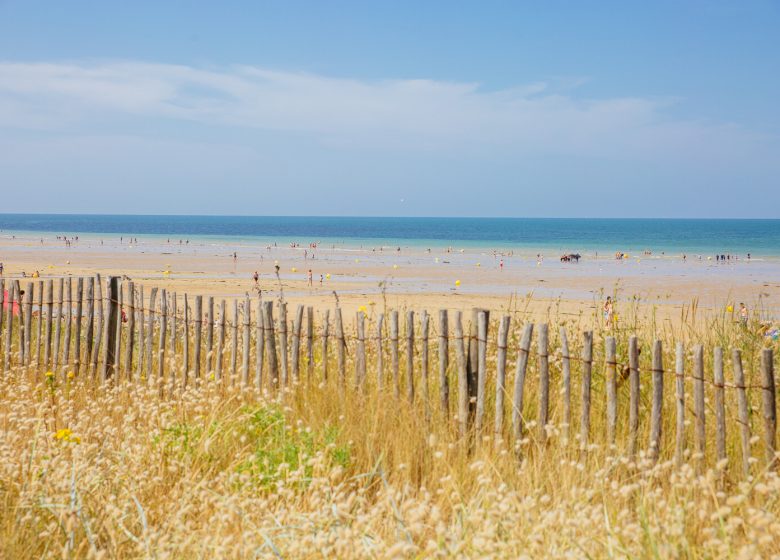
x=397 y=108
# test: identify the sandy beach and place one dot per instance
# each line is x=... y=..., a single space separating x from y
x=413 y=277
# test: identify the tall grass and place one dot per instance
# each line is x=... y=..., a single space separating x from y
x=318 y=470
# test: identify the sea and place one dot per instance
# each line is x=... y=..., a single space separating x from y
x=759 y=237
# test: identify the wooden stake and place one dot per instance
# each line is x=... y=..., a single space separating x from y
x=110 y=357
x=633 y=405
x=410 y=356
x=150 y=335
x=234 y=345
x=283 y=342
x=424 y=329
x=566 y=378
x=380 y=360
x=89 y=334
x=186 y=344
x=140 y=320
x=503 y=335
x=210 y=336
x=587 y=368
x=394 y=352
x=341 y=360
x=360 y=354
x=656 y=418
x=79 y=317
x=58 y=324
x=259 y=344
x=444 y=359
x=742 y=403
x=296 y=344
x=518 y=420
x=161 y=341
x=720 y=404
x=130 y=299
x=220 y=341
x=49 y=318
x=247 y=342
x=482 y=328
x=544 y=382
x=679 y=370
x=270 y=343
x=324 y=357
x=309 y=343
x=463 y=390
x=769 y=410
x=39 y=328
x=9 y=327
x=698 y=399
x=610 y=354
x=68 y=321
x=197 y=321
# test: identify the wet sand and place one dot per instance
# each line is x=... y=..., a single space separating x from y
x=413 y=277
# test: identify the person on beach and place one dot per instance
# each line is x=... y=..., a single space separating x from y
x=608 y=312
x=1 y=269
x=256 y=277
x=743 y=314
x=310 y=278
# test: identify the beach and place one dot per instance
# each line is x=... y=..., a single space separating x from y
x=411 y=276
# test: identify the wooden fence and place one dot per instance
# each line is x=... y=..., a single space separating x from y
x=113 y=332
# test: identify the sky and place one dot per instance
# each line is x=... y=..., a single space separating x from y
x=489 y=108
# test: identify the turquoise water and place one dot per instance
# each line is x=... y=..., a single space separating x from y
x=708 y=237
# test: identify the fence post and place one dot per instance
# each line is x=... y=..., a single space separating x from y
x=2 y=314
x=28 y=301
x=341 y=359
x=234 y=345
x=141 y=321
x=309 y=343
x=698 y=400
x=633 y=405
x=210 y=337
x=482 y=328
x=769 y=410
x=742 y=403
x=444 y=359
x=39 y=327
x=518 y=420
x=9 y=326
x=283 y=342
x=259 y=345
x=679 y=371
x=247 y=340
x=544 y=381
x=197 y=322
x=324 y=357
x=360 y=354
x=270 y=343
x=220 y=341
x=566 y=379
x=68 y=321
x=587 y=368
x=150 y=334
x=656 y=418
x=57 y=325
x=79 y=316
x=186 y=344
x=130 y=330
x=424 y=331
x=610 y=356
x=380 y=359
x=296 y=344
x=89 y=334
x=463 y=392
x=503 y=335
x=394 y=351
x=720 y=404
x=161 y=342
x=49 y=318
x=109 y=352
x=410 y=356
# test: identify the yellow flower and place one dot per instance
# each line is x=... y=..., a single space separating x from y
x=362 y=309
x=66 y=435
x=71 y=375
x=211 y=376
x=457 y=283
x=63 y=434
x=730 y=309
x=50 y=374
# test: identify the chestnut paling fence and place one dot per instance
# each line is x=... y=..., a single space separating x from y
x=494 y=378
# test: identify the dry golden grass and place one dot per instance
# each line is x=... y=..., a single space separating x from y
x=321 y=471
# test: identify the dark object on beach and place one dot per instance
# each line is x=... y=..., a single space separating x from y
x=571 y=257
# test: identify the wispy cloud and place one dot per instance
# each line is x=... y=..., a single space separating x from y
x=528 y=120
